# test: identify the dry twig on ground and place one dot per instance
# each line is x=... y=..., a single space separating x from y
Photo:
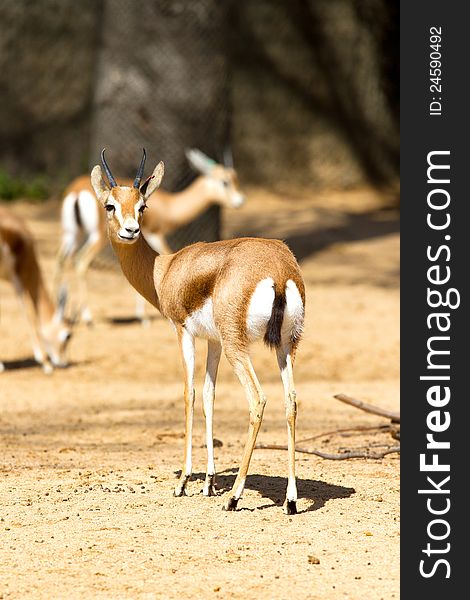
x=326 y=455
x=393 y=416
x=393 y=428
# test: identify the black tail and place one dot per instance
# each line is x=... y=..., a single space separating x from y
x=76 y=210
x=272 y=337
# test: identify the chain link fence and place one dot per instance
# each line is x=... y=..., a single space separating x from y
x=166 y=89
x=47 y=56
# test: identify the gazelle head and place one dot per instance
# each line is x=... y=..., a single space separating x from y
x=221 y=181
x=124 y=205
x=56 y=333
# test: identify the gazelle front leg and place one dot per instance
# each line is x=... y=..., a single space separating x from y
x=257 y=401
x=140 y=311
x=213 y=357
x=285 y=364
x=40 y=354
x=187 y=347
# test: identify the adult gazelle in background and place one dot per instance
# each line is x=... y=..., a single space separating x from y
x=84 y=225
x=19 y=265
x=231 y=293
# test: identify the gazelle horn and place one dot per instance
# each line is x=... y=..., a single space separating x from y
x=140 y=170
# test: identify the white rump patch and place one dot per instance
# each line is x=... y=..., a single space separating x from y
x=88 y=207
x=260 y=309
x=70 y=229
x=69 y=222
x=292 y=324
x=201 y=322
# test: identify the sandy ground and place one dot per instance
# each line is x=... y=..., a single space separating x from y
x=89 y=455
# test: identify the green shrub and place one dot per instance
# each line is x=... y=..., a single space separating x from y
x=35 y=188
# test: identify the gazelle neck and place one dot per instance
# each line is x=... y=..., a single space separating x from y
x=138 y=263
x=192 y=200
x=35 y=287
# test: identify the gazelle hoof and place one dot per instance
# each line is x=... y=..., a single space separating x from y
x=231 y=504
x=86 y=317
x=290 y=507
x=209 y=491
x=180 y=489
x=209 y=487
x=47 y=368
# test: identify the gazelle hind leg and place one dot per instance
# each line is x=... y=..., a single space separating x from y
x=214 y=350
x=257 y=401
x=67 y=250
x=84 y=257
x=70 y=237
x=284 y=358
x=186 y=343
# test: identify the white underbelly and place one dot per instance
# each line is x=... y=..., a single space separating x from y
x=201 y=322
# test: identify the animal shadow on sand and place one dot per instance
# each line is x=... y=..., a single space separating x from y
x=129 y=320
x=274 y=489
x=21 y=364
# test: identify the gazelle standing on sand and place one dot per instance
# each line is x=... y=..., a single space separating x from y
x=231 y=293
x=82 y=217
x=19 y=264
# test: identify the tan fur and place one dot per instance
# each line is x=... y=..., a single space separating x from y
x=226 y=271
x=165 y=213
x=179 y=284
x=19 y=264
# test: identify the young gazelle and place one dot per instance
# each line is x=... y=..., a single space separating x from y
x=83 y=220
x=19 y=264
x=231 y=293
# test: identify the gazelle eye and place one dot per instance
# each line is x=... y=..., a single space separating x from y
x=225 y=183
x=110 y=207
x=142 y=208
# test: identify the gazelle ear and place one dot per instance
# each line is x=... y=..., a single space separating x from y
x=100 y=186
x=73 y=319
x=228 y=157
x=153 y=182
x=199 y=161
